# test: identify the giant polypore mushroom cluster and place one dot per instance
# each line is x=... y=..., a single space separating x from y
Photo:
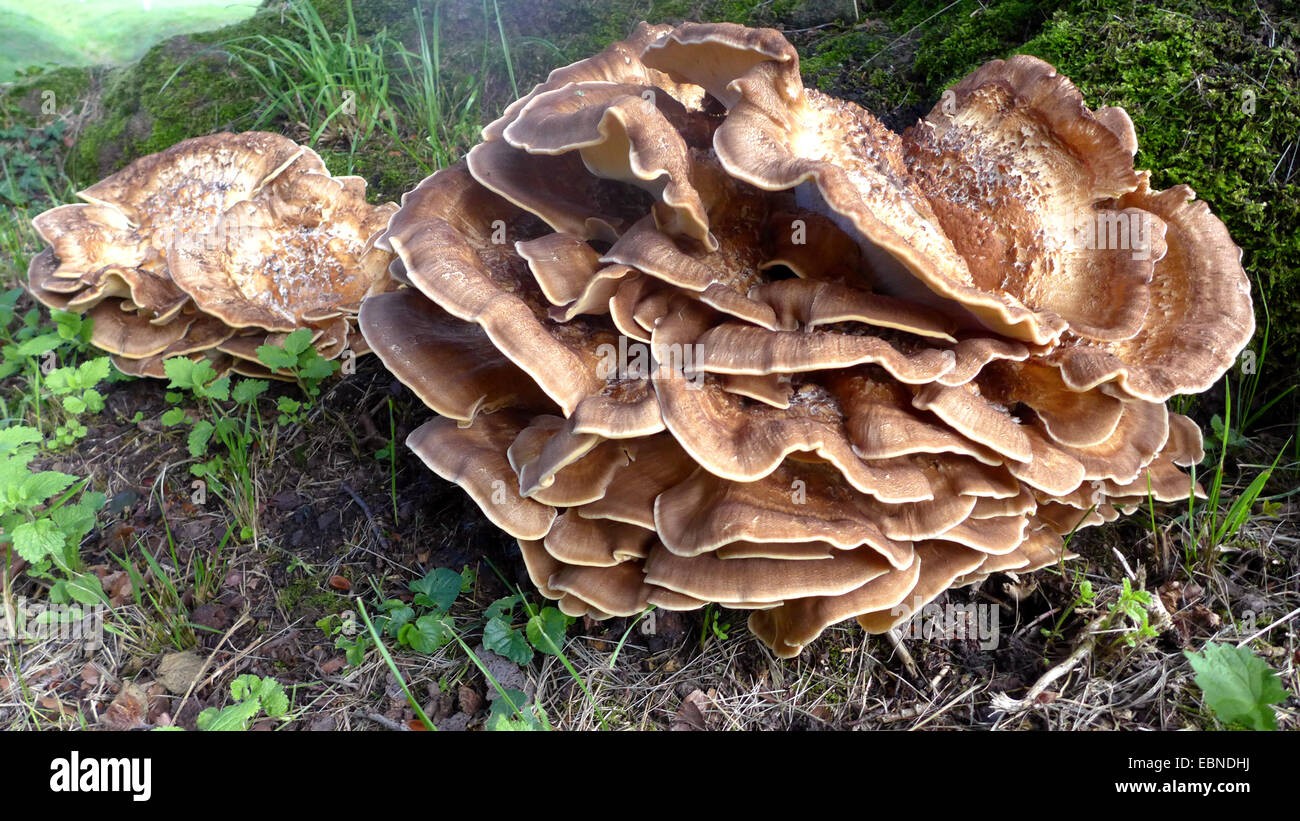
x=211 y=249
x=695 y=333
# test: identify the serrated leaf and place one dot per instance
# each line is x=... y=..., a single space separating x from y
x=91 y=373
x=39 y=345
x=180 y=371
x=74 y=405
x=297 y=342
x=249 y=389
x=12 y=439
x=275 y=703
x=504 y=640
x=275 y=358
x=318 y=368
x=37 y=487
x=199 y=436
x=219 y=390
x=1238 y=685
x=75 y=521
x=36 y=540
x=245 y=686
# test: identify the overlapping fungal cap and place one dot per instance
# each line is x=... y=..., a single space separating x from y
x=212 y=248
x=695 y=333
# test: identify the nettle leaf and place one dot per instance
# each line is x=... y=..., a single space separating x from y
x=439 y=588
x=245 y=686
x=199 y=437
x=1238 y=685
x=504 y=640
x=38 y=345
x=68 y=323
x=249 y=389
x=36 y=540
x=37 y=487
x=75 y=520
x=12 y=439
x=546 y=630
x=276 y=358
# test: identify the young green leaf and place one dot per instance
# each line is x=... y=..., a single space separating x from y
x=504 y=640
x=276 y=358
x=297 y=342
x=1238 y=685
x=439 y=588
x=249 y=389
x=36 y=540
x=546 y=630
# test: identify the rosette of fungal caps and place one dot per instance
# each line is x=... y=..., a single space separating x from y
x=695 y=333
x=213 y=248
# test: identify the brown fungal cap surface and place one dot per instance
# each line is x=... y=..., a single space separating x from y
x=698 y=334
x=218 y=237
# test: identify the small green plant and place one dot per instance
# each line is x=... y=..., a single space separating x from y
x=231 y=470
x=1135 y=606
x=42 y=523
x=713 y=626
x=1087 y=596
x=1220 y=435
x=297 y=358
x=424 y=625
x=253 y=696
x=1239 y=686
x=76 y=390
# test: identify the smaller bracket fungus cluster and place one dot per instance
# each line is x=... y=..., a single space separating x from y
x=695 y=333
x=212 y=248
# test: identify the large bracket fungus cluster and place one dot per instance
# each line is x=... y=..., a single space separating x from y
x=695 y=333
x=212 y=248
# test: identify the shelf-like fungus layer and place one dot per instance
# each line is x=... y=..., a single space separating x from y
x=698 y=334
x=212 y=248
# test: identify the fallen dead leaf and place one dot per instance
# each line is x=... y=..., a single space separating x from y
x=690 y=715
x=331 y=666
x=128 y=709
x=470 y=701
x=177 y=671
